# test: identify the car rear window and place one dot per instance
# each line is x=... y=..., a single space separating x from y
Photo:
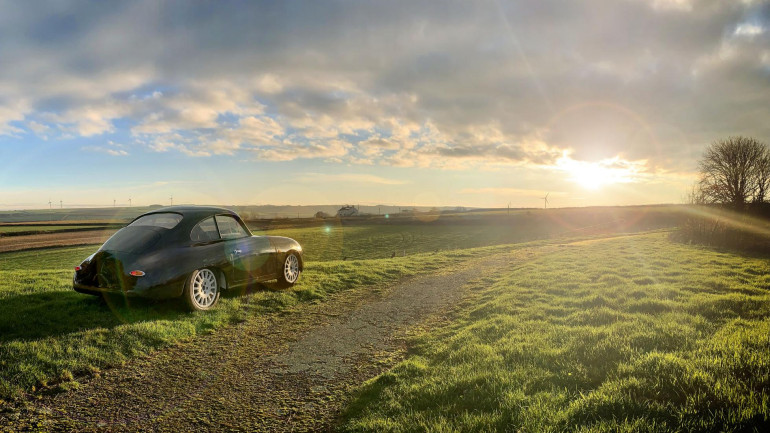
x=166 y=220
x=132 y=239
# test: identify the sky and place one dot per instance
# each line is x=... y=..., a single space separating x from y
x=482 y=104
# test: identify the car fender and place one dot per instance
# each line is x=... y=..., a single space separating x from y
x=283 y=245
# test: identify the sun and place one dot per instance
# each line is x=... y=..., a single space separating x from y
x=591 y=176
x=595 y=175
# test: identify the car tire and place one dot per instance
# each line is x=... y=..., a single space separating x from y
x=290 y=270
x=201 y=291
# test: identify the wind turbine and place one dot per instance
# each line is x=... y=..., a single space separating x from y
x=545 y=201
x=509 y=208
x=172 y=199
x=49 y=204
x=61 y=204
x=129 y=202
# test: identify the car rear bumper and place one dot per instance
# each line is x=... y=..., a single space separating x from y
x=154 y=292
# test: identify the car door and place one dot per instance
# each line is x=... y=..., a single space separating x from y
x=264 y=257
x=250 y=255
x=208 y=248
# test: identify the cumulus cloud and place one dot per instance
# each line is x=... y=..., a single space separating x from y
x=331 y=150
x=12 y=111
x=456 y=85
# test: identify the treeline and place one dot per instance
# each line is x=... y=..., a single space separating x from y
x=730 y=200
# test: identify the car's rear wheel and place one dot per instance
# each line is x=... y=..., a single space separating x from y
x=202 y=290
x=290 y=270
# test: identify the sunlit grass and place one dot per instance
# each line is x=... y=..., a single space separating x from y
x=630 y=334
x=50 y=334
x=335 y=242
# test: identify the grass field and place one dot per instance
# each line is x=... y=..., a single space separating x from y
x=634 y=333
x=50 y=334
x=628 y=334
x=334 y=242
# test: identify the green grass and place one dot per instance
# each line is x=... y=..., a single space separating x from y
x=325 y=243
x=628 y=334
x=45 y=259
x=335 y=242
x=50 y=334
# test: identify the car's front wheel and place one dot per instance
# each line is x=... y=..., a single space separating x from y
x=201 y=291
x=290 y=271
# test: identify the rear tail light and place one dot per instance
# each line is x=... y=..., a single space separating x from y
x=77 y=268
x=137 y=273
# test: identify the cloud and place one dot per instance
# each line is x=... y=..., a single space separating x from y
x=113 y=149
x=11 y=111
x=331 y=150
x=352 y=178
x=749 y=30
x=39 y=129
x=672 y=5
x=515 y=192
x=415 y=84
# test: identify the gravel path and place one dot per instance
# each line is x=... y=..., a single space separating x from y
x=289 y=371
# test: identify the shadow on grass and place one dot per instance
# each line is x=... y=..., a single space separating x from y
x=51 y=314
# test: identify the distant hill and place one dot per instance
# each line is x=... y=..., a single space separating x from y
x=123 y=214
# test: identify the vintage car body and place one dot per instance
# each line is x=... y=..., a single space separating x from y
x=160 y=253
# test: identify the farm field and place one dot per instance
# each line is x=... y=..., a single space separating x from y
x=635 y=333
x=55 y=239
x=47 y=228
x=383 y=241
x=50 y=334
x=366 y=238
x=667 y=335
x=40 y=348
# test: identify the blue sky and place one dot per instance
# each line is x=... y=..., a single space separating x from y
x=409 y=103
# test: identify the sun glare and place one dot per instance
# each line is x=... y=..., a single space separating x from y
x=589 y=177
x=595 y=175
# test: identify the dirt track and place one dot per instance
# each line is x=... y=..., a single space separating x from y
x=290 y=371
x=86 y=237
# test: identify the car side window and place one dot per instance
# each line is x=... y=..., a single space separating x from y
x=229 y=228
x=205 y=231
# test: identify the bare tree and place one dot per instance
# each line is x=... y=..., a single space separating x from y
x=763 y=177
x=734 y=171
x=694 y=196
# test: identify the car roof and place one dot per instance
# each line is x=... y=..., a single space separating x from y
x=193 y=212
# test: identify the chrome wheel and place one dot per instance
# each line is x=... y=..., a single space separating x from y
x=204 y=288
x=291 y=268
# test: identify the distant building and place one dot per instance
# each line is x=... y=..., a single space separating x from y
x=347 y=211
x=321 y=215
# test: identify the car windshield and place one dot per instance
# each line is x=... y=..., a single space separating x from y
x=166 y=220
